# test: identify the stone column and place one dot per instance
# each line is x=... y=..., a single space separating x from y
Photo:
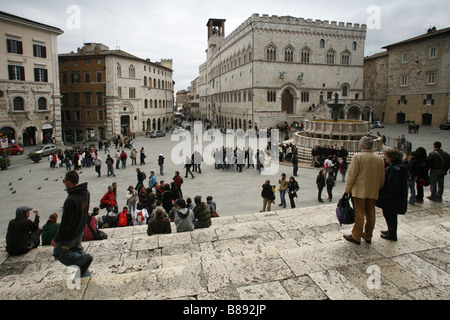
x=112 y=116
x=57 y=126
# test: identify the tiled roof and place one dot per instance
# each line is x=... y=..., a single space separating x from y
x=421 y=37
x=9 y=16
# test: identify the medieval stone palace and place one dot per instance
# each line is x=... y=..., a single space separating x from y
x=273 y=69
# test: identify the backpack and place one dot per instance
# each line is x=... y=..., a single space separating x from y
x=212 y=211
x=123 y=221
x=344 y=212
x=140 y=217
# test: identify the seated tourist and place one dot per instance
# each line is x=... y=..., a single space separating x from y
x=159 y=224
x=23 y=234
x=49 y=229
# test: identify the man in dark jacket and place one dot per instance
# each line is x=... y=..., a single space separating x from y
x=394 y=194
x=161 y=164
x=67 y=241
x=23 y=234
x=268 y=195
x=439 y=165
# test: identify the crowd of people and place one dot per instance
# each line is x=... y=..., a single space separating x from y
x=321 y=153
x=156 y=203
x=228 y=158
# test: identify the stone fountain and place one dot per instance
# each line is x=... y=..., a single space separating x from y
x=333 y=132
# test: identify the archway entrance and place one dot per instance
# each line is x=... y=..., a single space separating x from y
x=9 y=132
x=47 y=133
x=427 y=119
x=287 y=102
x=354 y=113
x=125 y=125
x=29 y=136
x=401 y=117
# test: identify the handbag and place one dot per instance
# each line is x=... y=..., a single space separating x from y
x=97 y=234
x=344 y=211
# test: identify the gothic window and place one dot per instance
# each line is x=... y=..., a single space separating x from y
x=132 y=72
x=345 y=58
x=304 y=58
x=289 y=54
x=330 y=57
x=271 y=53
x=119 y=70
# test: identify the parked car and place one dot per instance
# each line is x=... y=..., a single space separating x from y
x=156 y=134
x=45 y=150
x=14 y=149
x=445 y=126
x=160 y=133
x=178 y=130
x=376 y=124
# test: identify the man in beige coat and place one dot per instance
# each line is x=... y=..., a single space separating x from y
x=365 y=178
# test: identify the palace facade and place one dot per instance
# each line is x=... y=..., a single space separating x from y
x=111 y=92
x=30 y=101
x=273 y=69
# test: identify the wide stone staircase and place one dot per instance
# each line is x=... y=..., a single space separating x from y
x=287 y=254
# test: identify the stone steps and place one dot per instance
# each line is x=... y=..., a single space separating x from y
x=285 y=254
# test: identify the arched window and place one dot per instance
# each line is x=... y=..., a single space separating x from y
x=345 y=58
x=354 y=46
x=289 y=54
x=18 y=104
x=150 y=82
x=271 y=53
x=304 y=58
x=145 y=81
x=42 y=103
x=132 y=72
x=145 y=103
x=322 y=43
x=344 y=91
x=119 y=70
x=330 y=57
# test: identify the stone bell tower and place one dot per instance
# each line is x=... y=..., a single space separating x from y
x=216 y=34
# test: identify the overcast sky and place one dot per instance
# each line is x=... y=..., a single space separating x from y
x=176 y=29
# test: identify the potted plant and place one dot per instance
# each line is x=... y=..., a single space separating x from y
x=36 y=157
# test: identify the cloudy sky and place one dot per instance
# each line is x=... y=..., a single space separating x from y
x=176 y=29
